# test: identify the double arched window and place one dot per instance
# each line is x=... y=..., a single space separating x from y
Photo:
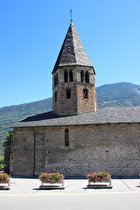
x=82 y=76
x=56 y=80
x=68 y=76
x=85 y=77
x=65 y=76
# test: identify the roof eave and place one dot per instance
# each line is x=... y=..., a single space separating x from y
x=72 y=64
x=83 y=124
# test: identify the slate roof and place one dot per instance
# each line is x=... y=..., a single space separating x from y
x=100 y=116
x=72 y=52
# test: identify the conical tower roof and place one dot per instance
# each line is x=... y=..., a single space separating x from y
x=72 y=52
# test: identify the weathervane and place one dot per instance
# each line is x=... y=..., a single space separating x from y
x=71 y=15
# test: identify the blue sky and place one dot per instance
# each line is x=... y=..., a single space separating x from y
x=32 y=33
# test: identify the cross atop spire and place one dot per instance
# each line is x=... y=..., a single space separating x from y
x=70 y=15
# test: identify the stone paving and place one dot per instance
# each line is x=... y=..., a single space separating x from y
x=24 y=186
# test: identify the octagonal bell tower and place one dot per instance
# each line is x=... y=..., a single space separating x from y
x=73 y=78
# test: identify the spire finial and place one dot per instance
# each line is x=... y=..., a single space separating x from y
x=70 y=15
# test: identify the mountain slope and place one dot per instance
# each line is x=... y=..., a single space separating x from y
x=119 y=94
x=113 y=95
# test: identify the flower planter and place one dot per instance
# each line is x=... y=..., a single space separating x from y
x=4 y=181
x=51 y=181
x=100 y=178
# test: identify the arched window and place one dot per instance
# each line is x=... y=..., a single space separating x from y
x=56 y=80
x=56 y=96
x=65 y=76
x=71 y=76
x=87 y=77
x=68 y=93
x=66 y=137
x=82 y=76
x=85 y=93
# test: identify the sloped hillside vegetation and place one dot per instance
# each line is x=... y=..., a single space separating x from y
x=119 y=94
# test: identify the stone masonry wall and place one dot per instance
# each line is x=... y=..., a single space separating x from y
x=77 y=104
x=86 y=104
x=22 y=152
x=114 y=148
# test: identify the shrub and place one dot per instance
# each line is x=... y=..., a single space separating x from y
x=51 y=177
x=1 y=167
x=97 y=176
x=4 y=177
x=1 y=160
x=1 y=164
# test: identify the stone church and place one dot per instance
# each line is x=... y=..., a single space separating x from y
x=76 y=138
